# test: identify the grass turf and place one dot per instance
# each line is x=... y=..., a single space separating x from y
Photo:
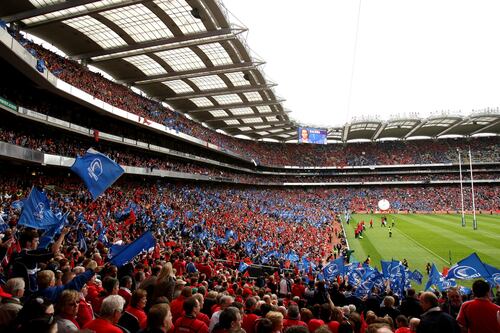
x=422 y=238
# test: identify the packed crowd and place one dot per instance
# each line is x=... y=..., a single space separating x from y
x=191 y=281
x=353 y=154
x=54 y=143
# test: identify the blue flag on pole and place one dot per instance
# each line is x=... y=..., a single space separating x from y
x=36 y=211
x=243 y=267
x=333 y=269
x=468 y=268
x=437 y=279
x=143 y=243
x=50 y=233
x=97 y=171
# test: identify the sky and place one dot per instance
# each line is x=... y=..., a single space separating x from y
x=411 y=57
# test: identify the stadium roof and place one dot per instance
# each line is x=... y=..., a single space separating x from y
x=183 y=52
x=188 y=54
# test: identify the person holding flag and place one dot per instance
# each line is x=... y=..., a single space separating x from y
x=25 y=263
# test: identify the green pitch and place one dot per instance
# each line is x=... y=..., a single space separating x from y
x=426 y=238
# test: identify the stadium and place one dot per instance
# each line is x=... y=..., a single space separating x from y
x=153 y=181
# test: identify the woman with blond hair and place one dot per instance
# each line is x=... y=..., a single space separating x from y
x=165 y=283
x=66 y=310
x=277 y=319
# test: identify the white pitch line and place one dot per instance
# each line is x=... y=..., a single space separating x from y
x=428 y=250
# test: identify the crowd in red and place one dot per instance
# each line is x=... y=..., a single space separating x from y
x=184 y=263
x=67 y=146
x=353 y=154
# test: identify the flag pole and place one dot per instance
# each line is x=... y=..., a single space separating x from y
x=461 y=186
x=474 y=221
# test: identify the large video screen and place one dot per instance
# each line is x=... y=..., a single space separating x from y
x=312 y=135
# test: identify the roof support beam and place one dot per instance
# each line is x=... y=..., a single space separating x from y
x=379 y=130
x=414 y=129
x=486 y=127
x=345 y=133
x=277 y=122
x=194 y=73
x=446 y=130
x=245 y=116
x=233 y=106
x=218 y=92
x=157 y=45
x=46 y=10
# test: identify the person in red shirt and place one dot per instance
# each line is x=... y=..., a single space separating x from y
x=298 y=288
x=180 y=265
x=293 y=317
x=66 y=310
x=176 y=306
x=250 y=317
x=402 y=324
x=124 y=291
x=201 y=316
x=480 y=314
x=136 y=307
x=85 y=312
x=188 y=322
x=111 y=310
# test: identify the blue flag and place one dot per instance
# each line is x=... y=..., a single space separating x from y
x=386 y=266
x=416 y=276
x=143 y=243
x=36 y=212
x=18 y=204
x=494 y=275
x=437 y=279
x=243 y=267
x=115 y=249
x=365 y=286
x=468 y=268
x=50 y=233
x=82 y=244
x=97 y=171
x=333 y=269
x=3 y=225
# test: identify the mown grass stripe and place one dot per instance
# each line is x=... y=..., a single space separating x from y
x=472 y=241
